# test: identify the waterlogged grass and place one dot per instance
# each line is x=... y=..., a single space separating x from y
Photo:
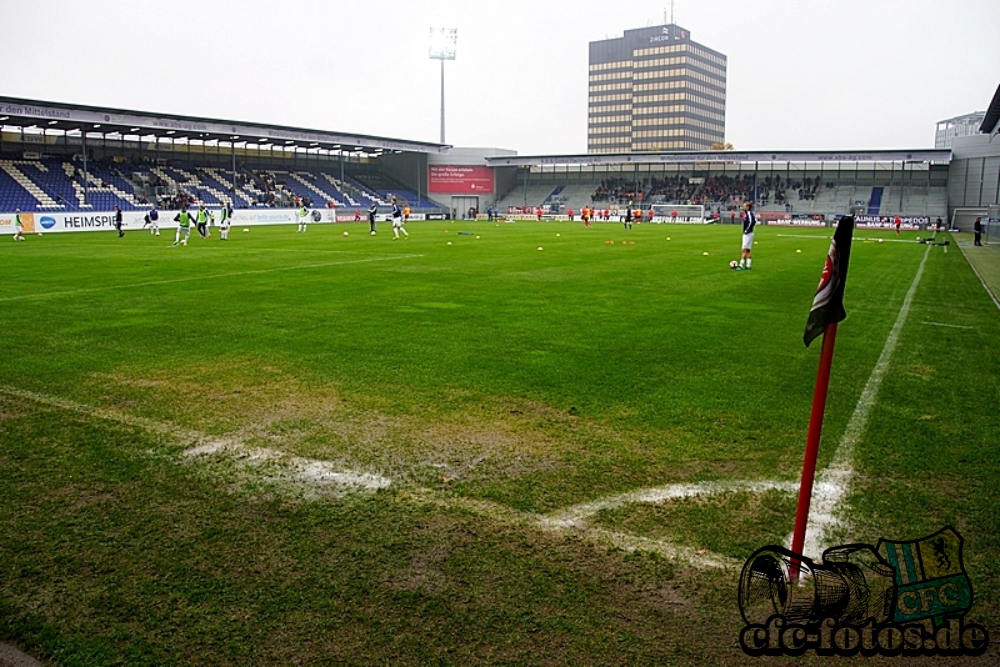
x=485 y=371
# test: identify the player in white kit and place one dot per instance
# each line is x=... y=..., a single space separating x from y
x=397 y=221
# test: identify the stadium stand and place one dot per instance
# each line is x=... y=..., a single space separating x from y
x=802 y=193
x=57 y=184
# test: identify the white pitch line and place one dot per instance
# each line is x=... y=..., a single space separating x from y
x=321 y=473
x=577 y=515
x=44 y=295
x=700 y=559
x=305 y=470
x=831 y=487
x=950 y=326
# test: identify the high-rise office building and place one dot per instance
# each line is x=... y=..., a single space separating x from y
x=655 y=90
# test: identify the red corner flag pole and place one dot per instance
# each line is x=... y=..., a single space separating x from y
x=812 y=443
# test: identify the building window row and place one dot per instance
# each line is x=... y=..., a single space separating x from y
x=608 y=108
x=719 y=115
x=662 y=123
x=618 y=118
x=666 y=85
x=710 y=56
x=659 y=62
x=710 y=95
x=687 y=109
x=648 y=106
x=716 y=58
x=624 y=75
x=659 y=145
x=673 y=73
x=620 y=97
x=610 y=141
x=667 y=108
x=718 y=119
x=690 y=113
x=715 y=109
x=659 y=50
x=683 y=61
x=604 y=87
x=600 y=67
x=686 y=144
x=610 y=129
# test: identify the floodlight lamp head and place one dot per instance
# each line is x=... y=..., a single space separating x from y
x=443 y=42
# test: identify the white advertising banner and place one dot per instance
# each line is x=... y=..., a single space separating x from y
x=46 y=222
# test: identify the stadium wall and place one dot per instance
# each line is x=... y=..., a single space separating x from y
x=973 y=178
x=463 y=179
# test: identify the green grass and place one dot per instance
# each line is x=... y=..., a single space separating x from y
x=492 y=382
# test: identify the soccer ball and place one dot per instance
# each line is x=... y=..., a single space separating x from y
x=373 y=233
x=347 y=234
x=733 y=264
x=184 y=242
x=245 y=230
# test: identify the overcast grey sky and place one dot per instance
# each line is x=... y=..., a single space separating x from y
x=821 y=74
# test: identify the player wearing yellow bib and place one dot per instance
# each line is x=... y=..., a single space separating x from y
x=202 y=221
x=303 y=219
x=183 y=220
x=18 y=226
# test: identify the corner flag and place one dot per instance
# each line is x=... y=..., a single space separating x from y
x=827 y=311
x=828 y=304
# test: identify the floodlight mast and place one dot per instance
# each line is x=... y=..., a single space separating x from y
x=443 y=48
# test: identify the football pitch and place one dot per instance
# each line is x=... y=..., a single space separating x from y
x=485 y=444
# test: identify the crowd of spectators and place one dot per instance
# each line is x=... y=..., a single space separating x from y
x=718 y=192
x=619 y=191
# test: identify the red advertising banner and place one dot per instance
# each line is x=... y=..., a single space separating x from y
x=460 y=179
